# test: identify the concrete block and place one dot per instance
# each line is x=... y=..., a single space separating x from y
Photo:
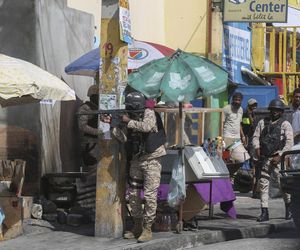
x=74 y=219
x=62 y=217
x=50 y=217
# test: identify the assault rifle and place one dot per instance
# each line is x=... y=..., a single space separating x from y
x=116 y=114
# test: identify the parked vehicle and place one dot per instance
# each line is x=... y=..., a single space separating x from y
x=290 y=180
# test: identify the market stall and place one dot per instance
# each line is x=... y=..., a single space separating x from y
x=179 y=79
x=203 y=169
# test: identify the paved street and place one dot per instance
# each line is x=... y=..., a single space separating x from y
x=46 y=236
x=286 y=240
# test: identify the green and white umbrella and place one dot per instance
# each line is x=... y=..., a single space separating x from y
x=181 y=77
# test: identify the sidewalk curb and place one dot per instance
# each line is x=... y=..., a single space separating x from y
x=188 y=239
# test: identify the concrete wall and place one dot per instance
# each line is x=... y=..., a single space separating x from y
x=185 y=24
x=17 y=38
x=148 y=20
x=51 y=35
x=174 y=23
x=92 y=7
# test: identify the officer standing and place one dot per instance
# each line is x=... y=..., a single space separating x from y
x=248 y=122
x=145 y=137
x=296 y=115
x=271 y=138
x=88 y=126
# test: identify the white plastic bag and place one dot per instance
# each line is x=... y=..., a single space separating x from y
x=177 y=191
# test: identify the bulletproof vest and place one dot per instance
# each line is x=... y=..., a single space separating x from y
x=139 y=143
x=134 y=144
x=270 y=139
x=154 y=140
x=93 y=120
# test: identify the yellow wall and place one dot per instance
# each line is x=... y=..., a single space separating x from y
x=294 y=3
x=174 y=23
x=185 y=24
x=147 y=20
x=90 y=6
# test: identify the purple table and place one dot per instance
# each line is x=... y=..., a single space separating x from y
x=220 y=192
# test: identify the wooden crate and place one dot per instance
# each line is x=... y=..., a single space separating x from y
x=12 y=224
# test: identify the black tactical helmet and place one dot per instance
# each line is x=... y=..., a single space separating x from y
x=276 y=104
x=135 y=100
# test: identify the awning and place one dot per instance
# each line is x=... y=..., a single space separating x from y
x=293 y=19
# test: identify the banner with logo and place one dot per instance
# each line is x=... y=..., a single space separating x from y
x=141 y=53
x=265 y=11
x=236 y=50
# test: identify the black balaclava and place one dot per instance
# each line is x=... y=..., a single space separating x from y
x=275 y=114
x=95 y=99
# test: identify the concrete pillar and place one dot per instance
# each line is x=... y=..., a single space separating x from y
x=110 y=187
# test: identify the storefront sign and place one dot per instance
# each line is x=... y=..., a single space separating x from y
x=236 y=50
x=125 y=23
x=266 y=11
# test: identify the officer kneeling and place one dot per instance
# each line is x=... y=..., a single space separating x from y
x=145 y=138
x=271 y=138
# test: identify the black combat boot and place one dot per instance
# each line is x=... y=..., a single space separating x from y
x=288 y=214
x=264 y=215
x=136 y=230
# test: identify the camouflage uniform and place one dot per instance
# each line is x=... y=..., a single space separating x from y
x=89 y=135
x=268 y=168
x=144 y=170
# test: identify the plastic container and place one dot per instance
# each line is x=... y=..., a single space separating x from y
x=199 y=165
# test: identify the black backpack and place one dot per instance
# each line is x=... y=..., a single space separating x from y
x=269 y=140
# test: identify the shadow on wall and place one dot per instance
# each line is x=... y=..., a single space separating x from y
x=21 y=143
x=69 y=136
x=17 y=35
x=20 y=129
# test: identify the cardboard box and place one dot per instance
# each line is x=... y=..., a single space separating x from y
x=193 y=203
x=12 y=224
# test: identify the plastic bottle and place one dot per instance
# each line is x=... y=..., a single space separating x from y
x=168 y=224
x=164 y=224
x=158 y=222
x=205 y=146
x=213 y=150
x=174 y=220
